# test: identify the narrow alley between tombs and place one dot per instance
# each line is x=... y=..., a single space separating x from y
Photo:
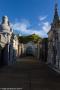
x=29 y=74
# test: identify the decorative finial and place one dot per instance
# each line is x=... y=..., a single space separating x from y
x=56 y=16
x=56 y=1
x=5 y=19
x=56 y=4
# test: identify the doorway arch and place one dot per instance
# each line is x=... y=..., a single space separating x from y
x=29 y=51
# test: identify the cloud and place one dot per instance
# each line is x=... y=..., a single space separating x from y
x=41 y=18
x=44 y=24
x=23 y=28
x=46 y=27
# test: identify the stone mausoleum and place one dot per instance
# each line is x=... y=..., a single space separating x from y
x=54 y=41
x=7 y=49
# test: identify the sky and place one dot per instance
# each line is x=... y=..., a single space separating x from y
x=29 y=16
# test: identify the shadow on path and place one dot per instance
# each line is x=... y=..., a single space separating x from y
x=29 y=74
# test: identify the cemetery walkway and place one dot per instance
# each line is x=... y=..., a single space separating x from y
x=29 y=74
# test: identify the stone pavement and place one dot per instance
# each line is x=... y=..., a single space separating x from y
x=29 y=74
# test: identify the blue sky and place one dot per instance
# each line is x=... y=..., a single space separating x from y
x=29 y=16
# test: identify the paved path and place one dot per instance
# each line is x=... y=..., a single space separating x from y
x=29 y=74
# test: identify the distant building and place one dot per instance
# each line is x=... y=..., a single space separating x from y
x=15 y=44
x=43 y=49
x=21 y=51
x=30 y=48
x=27 y=49
x=54 y=41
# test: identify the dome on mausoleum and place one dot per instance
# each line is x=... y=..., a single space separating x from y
x=5 y=27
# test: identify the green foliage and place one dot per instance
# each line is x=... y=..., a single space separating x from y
x=25 y=39
x=45 y=40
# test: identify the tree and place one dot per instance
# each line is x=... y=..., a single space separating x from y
x=25 y=39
